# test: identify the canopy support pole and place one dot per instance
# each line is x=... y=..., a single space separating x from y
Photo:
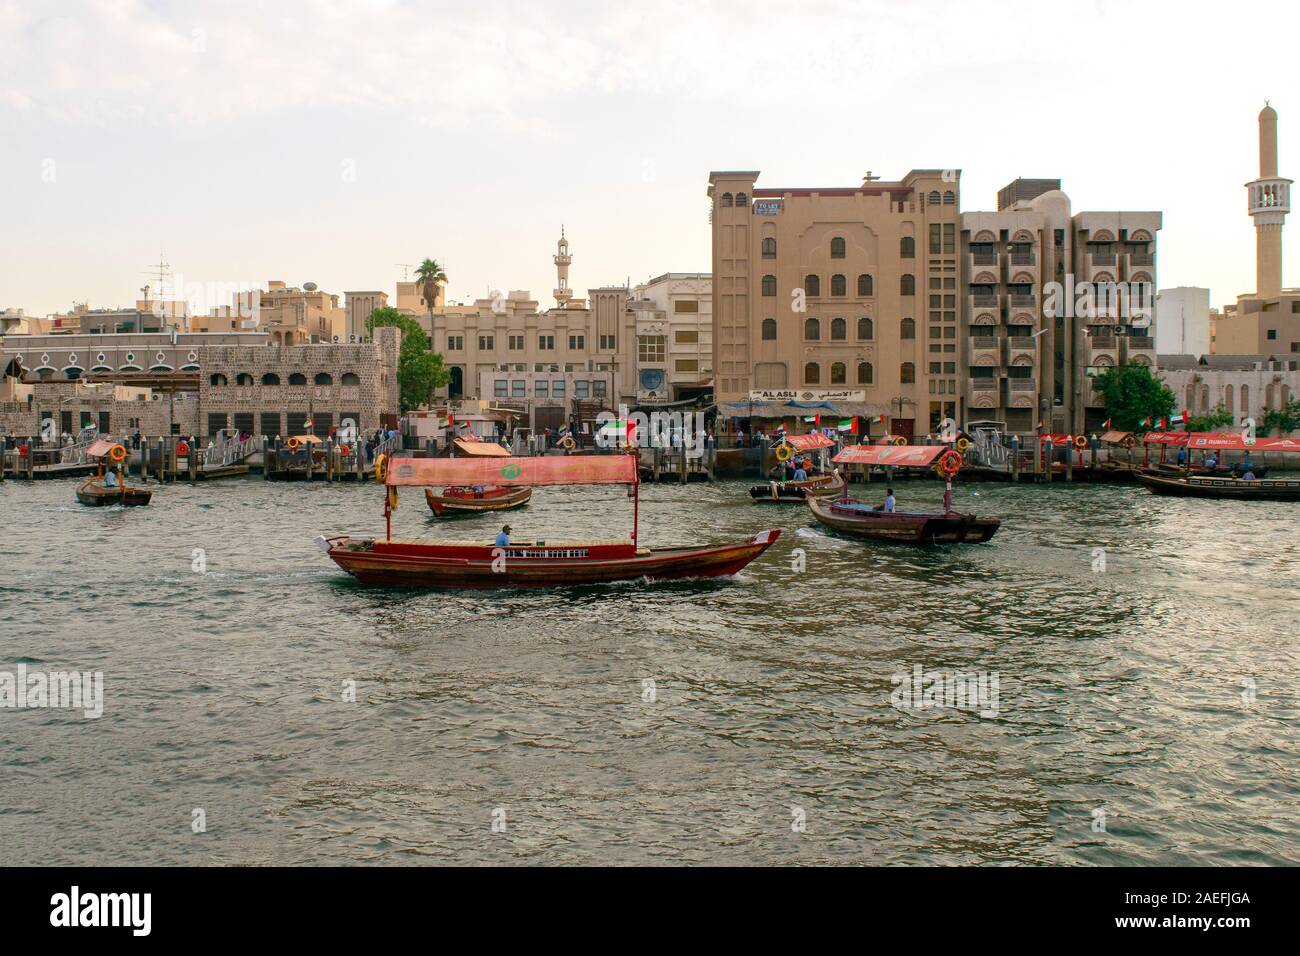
x=636 y=508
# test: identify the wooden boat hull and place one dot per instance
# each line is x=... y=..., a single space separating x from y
x=904 y=527
x=1234 y=489
x=494 y=499
x=1235 y=471
x=101 y=497
x=453 y=565
x=797 y=492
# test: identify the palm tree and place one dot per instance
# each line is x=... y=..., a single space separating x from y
x=429 y=275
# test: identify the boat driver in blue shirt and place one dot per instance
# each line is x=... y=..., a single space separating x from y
x=503 y=539
x=110 y=479
x=800 y=473
x=888 y=507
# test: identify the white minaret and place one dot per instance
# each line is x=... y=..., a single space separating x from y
x=562 y=259
x=1269 y=202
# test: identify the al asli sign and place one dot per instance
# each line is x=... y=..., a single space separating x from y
x=807 y=395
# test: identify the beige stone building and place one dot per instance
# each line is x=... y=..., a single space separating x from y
x=823 y=291
x=289 y=315
x=1044 y=314
x=1246 y=386
x=674 y=334
x=1267 y=320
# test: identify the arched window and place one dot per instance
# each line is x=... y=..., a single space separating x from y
x=865 y=286
x=742 y=199
x=72 y=373
x=216 y=378
x=243 y=378
x=866 y=330
x=839 y=285
x=907 y=284
x=726 y=199
x=907 y=329
x=769 y=285
x=812 y=330
x=270 y=378
x=812 y=285
x=866 y=373
x=934 y=198
x=907 y=373
x=839 y=329
x=949 y=198
x=297 y=378
x=837 y=248
x=1245 y=400
x=812 y=374
x=769 y=248
x=907 y=247
x=324 y=378
x=1227 y=398
x=350 y=378
x=769 y=330
x=839 y=374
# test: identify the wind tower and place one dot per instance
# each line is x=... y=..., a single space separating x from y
x=562 y=259
x=1269 y=199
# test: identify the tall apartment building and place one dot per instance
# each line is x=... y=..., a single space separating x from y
x=843 y=293
x=1267 y=320
x=1041 y=292
x=674 y=336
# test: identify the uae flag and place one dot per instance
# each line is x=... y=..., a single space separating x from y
x=623 y=432
x=1106 y=423
x=848 y=425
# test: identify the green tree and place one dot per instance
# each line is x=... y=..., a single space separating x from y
x=1284 y=420
x=419 y=370
x=430 y=275
x=1212 y=422
x=1131 y=394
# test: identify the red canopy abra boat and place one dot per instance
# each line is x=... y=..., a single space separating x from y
x=539 y=563
x=479 y=498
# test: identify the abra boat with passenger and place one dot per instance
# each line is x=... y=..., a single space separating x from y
x=862 y=520
x=1197 y=486
x=94 y=492
x=461 y=500
x=537 y=563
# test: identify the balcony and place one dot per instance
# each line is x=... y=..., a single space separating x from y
x=989 y=304
x=1022 y=392
x=1100 y=350
x=982 y=393
x=983 y=262
x=1022 y=347
x=1024 y=260
x=983 y=350
x=1141 y=347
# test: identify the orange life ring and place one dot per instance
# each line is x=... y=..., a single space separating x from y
x=567 y=443
x=293 y=443
x=381 y=467
x=900 y=440
x=783 y=452
x=182 y=449
x=949 y=463
x=1080 y=442
x=962 y=445
x=344 y=450
x=117 y=453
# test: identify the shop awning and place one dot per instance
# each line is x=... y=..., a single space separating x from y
x=481 y=449
x=1165 y=438
x=900 y=456
x=513 y=472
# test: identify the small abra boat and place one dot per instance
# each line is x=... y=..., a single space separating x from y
x=903 y=527
x=94 y=492
x=538 y=563
x=797 y=492
x=858 y=518
x=456 y=500
x=1194 y=486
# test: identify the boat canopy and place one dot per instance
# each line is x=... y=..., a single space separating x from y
x=807 y=442
x=99 y=448
x=513 y=472
x=901 y=456
x=1221 y=441
x=1114 y=437
x=481 y=449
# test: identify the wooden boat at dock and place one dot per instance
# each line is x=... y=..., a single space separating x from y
x=902 y=527
x=474 y=501
x=95 y=493
x=1238 y=489
x=797 y=492
x=460 y=500
x=1235 y=470
x=850 y=516
x=537 y=563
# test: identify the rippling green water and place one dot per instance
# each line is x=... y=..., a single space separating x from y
x=1126 y=690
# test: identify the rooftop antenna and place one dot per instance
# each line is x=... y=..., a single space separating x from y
x=162 y=272
x=406 y=270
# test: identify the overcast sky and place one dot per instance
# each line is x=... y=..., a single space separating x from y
x=330 y=140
